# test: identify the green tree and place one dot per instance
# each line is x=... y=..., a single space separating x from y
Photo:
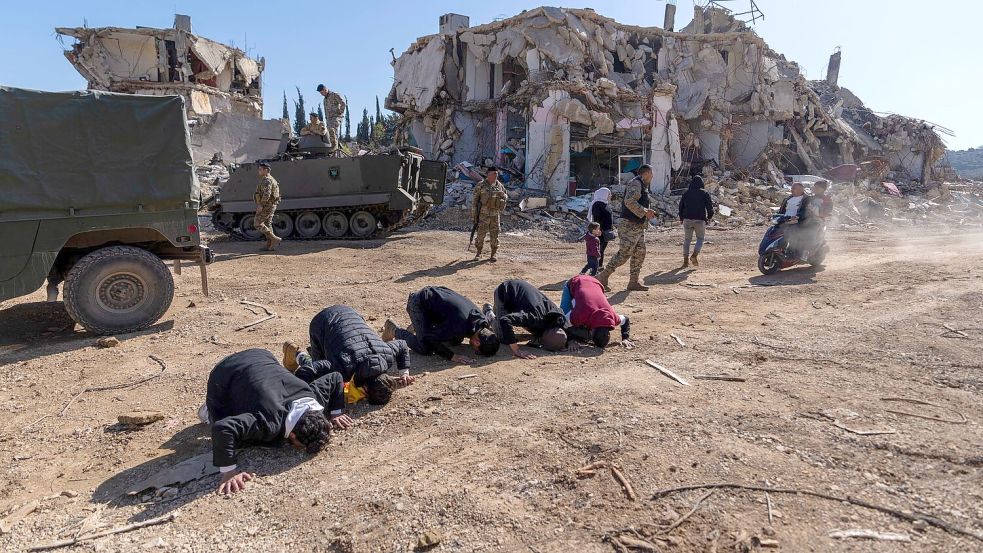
x=286 y=112
x=299 y=112
x=362 y=134
x=378 y=112
x=320 y=112
x=348 y=123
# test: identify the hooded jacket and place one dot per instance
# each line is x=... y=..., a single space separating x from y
x=525 y=307
x=696 y=203
x=249 y=397
x=342 y=342
x=450 y=317
x=591 y=308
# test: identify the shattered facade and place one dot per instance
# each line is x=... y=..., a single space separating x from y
x=568 y=100
x=221 y=85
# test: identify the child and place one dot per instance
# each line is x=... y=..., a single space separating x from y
x=593 y=248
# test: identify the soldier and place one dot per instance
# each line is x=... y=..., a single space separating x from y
x=315 y=127
x=486 y=208
x=334 y=110
x=635 y=216
x=267 y=196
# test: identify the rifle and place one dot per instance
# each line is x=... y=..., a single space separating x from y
x=474 y=229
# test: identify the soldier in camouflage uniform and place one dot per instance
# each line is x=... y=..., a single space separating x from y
x=315 y=127
x=635 y=216
x=267 y=196
x=486 y=208
x=334 y=110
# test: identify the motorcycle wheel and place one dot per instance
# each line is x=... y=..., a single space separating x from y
x=816 y=259
x=769 y=263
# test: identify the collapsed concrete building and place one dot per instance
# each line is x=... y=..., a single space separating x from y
x=221 y=85
x=568 y=100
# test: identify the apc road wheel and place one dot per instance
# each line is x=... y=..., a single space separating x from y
x=283 y=225
x=769 y=263
x=247 y=227
x=363 y=224
x=118 y=289
x=308 y=224
x=335 y=224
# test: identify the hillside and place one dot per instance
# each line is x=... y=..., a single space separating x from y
x=968 y=163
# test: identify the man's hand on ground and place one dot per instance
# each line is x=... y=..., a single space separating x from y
x=628 y=344
x=649 y=214
x=462 y=360
x=518 y=352
x=406 y=380
x=234 y=482
x=574 y=346
x=342 y=422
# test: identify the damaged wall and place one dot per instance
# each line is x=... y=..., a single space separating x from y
x=211 y=76
x=736 y=104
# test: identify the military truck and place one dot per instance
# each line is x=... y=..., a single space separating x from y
x=97 y=189
x=332 y=197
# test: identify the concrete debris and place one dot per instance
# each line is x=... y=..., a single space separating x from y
x=140 y=418
x=108 y=342
x=569 y=100
x=188 y=470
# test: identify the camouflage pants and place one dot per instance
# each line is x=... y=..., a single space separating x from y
x=333 y=123
x=490 y=225
x=264 y=220
x=632 y=246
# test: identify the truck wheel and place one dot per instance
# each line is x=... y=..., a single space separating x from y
x=283 y=225
x=335 y=224
x=247 y=227
x=308 y=224
x=118 y=289
x=363 y=224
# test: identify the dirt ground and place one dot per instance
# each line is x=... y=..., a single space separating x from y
x=487 y=462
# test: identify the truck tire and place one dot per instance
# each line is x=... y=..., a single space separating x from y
x=118 y=289
x=362 y=224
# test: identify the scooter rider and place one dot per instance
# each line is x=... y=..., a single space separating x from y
x=803 y=223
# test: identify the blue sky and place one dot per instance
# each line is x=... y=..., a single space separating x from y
x=921 y=59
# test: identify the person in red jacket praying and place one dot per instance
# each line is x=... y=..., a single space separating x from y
x=590 y=315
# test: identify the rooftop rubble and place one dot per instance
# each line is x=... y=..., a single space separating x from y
x=567 y=100
x=221 y=85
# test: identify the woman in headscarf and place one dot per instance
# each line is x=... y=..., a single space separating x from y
x=600 y=213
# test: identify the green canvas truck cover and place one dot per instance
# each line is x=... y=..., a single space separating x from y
x=98 y=153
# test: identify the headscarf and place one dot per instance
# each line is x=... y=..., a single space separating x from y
x=602 y=195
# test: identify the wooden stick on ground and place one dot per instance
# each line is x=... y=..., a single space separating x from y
x=724 y=377
x=256 y=322
x=625 y=484
x=667 y=372
x=842 y=426
x=163 y=367
x=678 y=340
x=962 y=418
x=911 y=517
x=683 y=518
x=119 y=530
x=259 y=305
x=768 y=502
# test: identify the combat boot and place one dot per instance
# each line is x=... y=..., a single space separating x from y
x=603 y=277
x=389 y=330
x=694 y=260
x=290 y=351
x=493 y=258
x=634 y=285
x=685 y=261
x=266 y=247
x=274 y=242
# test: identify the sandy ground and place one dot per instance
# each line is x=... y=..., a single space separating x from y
x=487 y=462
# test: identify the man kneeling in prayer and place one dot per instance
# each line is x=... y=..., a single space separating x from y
x=253 y=400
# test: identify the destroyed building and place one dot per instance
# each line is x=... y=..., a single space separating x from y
x=568 y=100
x=221 y=85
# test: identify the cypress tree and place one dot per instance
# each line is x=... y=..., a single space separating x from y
x=378 y=112
x=286 y=112
x=299 y=112
x=348 y=123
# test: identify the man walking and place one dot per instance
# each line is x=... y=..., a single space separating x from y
x=695 y=211
x=486 y=209
x=267 y=196
x=334 y=110
x=635 y=216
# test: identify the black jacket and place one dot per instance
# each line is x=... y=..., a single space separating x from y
x=526 y=307
x=601 y=212
x=342 y=342
x=249 y=396
x=696 y=204
x=804 y=213
x=450 y=318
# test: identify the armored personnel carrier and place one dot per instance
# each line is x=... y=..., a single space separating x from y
x=332 y=197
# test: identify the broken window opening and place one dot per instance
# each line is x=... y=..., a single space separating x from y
x=512 y=73
x=172 y=73
x=492 y=93
x=619 y=66
x=726 y=56
x=198 y=67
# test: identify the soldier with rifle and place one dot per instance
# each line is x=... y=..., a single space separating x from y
x=486 y=210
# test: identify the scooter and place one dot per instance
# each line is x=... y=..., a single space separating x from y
x=774 y=253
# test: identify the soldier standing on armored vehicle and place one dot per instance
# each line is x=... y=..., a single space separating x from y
x=315 y=127
x=486 y=210
x=334 y=110
x=267 y=197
